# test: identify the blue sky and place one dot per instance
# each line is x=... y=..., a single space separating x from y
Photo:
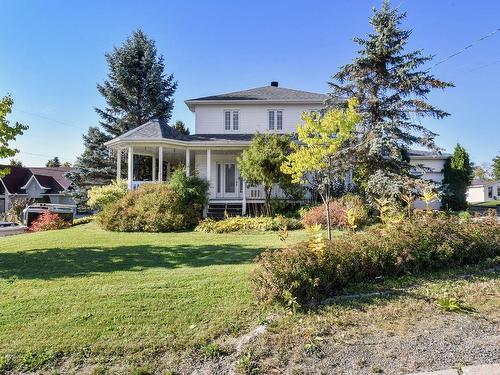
x=52 y=56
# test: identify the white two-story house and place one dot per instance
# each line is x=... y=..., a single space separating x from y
x=224 y=127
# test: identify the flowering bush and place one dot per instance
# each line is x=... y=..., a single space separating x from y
x=238 y=223
x=346 y=211
x=427 y=242
x=48 y=221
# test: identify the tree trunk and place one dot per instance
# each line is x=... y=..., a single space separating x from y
x=267 y=192
x=328 y=227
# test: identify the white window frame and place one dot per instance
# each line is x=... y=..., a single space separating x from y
x=275 y=119
x=231 y=120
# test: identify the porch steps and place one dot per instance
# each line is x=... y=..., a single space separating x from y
x=218 y=210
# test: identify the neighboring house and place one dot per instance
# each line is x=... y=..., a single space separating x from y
x=224 y=126
x=483 y=191
x=47 y=185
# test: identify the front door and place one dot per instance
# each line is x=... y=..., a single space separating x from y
x=227 y=180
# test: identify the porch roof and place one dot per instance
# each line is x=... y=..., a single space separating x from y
x=158 y=131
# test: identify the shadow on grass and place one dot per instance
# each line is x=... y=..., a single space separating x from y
x=60 y=262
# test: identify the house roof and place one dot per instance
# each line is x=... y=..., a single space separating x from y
x=428 y=154
x=155 y=130
x=51 y=178
x=483 y=182
x=262 y=94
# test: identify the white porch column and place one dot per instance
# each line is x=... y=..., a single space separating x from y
x=188 y=160
x=209 y=166
x=160 y=164
x=130 y=166
x=169 y=170
x=119 y=164
x=244 y=199
x=153 y=168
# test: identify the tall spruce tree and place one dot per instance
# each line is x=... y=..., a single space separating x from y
x=137 y=90
x=457 y=175
x=391 y=87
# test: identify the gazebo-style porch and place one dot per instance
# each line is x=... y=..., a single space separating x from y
x=219 y=167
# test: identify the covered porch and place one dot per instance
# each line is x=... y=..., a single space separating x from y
x=218 y=165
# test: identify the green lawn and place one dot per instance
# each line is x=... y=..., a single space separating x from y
x=488 y=204
x=85 y=292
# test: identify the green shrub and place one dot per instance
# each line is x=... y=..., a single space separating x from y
x=191 y=189
x=238 y=224
x=100 y=196
x=83 y=220
x=150 y=208
x=309 y=272
x=349 y=208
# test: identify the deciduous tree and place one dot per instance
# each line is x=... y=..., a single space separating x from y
x=8 y=132
x=181 y=127
x=496 y=168
x=457 y=176
x=53 y=163
x=261 y=163
x=313 y=160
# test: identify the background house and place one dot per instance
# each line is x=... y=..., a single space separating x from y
x=483 y=191
x=48 y=185
x=224 y=127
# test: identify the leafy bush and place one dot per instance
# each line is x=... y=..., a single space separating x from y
x=83 y=220
x=100 y=196
x=238 y=223
x=345 y=210
x=309 y=272
x=150 y=208
x=48 y=221
x=191 y=189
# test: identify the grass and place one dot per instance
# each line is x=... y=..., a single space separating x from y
x=88 y=293
x=487 y=204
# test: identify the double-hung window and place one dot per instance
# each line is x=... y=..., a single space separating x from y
x=275 y=119
x=231 y=120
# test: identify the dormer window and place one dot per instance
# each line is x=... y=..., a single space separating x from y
x=231 y=120
x=275 y=119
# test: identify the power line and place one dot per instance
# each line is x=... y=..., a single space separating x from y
x=44 y=155
x=50 y=119
x=465 y=48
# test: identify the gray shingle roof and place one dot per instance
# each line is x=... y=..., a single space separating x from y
x=157 y=130
x=153 y=129
x=426 y=153
x=270 y=93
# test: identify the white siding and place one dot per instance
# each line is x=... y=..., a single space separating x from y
x=209 y=119
x=435 y=175
x=476 y=194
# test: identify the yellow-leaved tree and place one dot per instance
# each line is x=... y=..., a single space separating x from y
x=313 y=158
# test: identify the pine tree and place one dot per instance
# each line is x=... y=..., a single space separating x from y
x=457 y=175
x=181 y=127
x=496 y=168
x=94 y=166
x=53 y=163
x=137 y=90
x=391 y=88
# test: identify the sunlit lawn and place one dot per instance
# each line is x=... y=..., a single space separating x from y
x=84 y=290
